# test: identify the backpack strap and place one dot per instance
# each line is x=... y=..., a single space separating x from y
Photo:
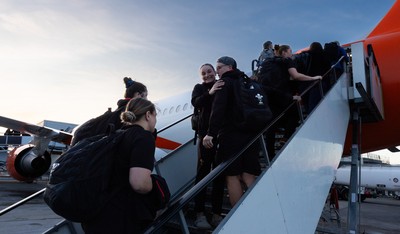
x=110 y=129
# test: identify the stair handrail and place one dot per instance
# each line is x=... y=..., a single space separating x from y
x=21 y=202
x=174 y=123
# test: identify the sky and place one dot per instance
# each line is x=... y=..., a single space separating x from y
x=65 y=60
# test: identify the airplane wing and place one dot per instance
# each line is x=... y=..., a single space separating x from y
x=35 y=130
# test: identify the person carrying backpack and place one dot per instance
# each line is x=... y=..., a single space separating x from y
x=333 y=52
x=99 y=125
x=134 y=207
x=226 y=123
x=315 y=65
x=275 y=76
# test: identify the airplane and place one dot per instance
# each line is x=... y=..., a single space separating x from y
x=373 y=176
x=29 y=161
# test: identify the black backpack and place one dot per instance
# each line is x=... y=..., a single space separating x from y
x=271 y=73
x=195 y=119
x=303 y=62
x=252 y=102
x=98 y=125
x=332 y=52
x=79 y=184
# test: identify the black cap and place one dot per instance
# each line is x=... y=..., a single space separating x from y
x=227 y=61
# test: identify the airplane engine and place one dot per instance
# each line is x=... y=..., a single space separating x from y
x=24 y=164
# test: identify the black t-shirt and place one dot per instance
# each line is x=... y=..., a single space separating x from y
x=138 y=147
x=280 y=95
x=287 y=64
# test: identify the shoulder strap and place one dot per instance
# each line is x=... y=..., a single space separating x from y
x=121 y=108
x=110 y=129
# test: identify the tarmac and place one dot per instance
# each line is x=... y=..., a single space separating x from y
x=32 y=217
x=377 y=215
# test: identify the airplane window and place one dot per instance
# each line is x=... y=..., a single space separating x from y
x=185 y=106
x=171 y=110
x=165 y=111
x=178 y=108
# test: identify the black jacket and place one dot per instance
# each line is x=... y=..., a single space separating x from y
x=202 y=101
x=224 y=116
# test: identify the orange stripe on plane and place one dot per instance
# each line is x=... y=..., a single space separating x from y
x=390 y=23
x=166 y=144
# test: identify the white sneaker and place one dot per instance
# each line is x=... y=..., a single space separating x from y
x=216 y=219
x=201 y=222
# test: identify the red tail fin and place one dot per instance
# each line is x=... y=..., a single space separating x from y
x=390 y=22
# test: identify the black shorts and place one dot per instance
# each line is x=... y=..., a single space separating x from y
x=230 y=144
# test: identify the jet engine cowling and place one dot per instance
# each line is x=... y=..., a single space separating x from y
x=24 y=163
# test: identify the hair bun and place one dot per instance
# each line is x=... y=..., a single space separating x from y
x=128 y=116
x=128 y=82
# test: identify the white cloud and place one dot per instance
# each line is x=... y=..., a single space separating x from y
x=50 y=34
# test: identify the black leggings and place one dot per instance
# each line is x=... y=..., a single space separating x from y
x=207 y=161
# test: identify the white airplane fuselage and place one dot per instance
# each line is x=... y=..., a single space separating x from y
x=372 y=177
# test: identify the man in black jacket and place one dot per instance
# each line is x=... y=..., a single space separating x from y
x=224 y=123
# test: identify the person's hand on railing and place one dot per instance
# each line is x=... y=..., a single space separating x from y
x=296 y=98
x=317 y=77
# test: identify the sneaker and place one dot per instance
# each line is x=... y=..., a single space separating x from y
x=201 y=222
x=216 y=219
